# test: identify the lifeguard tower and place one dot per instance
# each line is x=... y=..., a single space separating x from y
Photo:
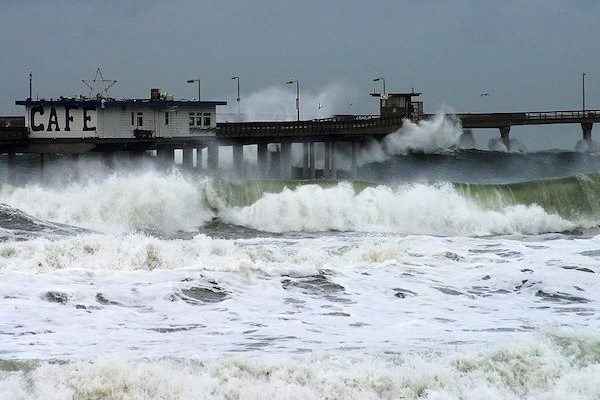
x=399 y=105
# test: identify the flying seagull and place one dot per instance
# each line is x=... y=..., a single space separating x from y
x=320 y=106
x=485 y=94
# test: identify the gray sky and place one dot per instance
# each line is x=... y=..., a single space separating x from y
x=528 y=55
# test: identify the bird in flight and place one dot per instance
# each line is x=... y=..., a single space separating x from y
x=320 y=106
x=485 y=94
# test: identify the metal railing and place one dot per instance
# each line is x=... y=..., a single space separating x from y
x=563 y=115
x=334 y=125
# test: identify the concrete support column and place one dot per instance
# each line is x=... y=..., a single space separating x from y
x=44 y=165
x=108 y=159
x=12 y=168
x=285 y=161
x=312 y=160
x=333 y=165
x=188 y=158
x=263 y=160
x=213 y=156
x=305 y=155
x=137 y=156
x=77 y=160
x=354 y=167
x=587 y=131
x=199 y=157
x=165 y=158
x=327 y=161
x=238 y=160
x=505 y=136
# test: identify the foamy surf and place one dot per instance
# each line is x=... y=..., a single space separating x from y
x=153 y=202
x=408 y=209
x=540 y=368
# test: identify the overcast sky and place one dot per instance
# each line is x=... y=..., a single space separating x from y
x=527 y=55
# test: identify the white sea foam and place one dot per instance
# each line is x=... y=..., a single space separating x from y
x=174 y=202
x=541 y=369
x=119 y=203
x=414 y=208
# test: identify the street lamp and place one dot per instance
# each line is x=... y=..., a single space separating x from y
x=380 y=79
x=193 y=81
x=290 y=82
x=237 y=78
x=30 y=80
x=583 y=92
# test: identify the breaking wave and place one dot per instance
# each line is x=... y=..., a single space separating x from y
x=164 y=204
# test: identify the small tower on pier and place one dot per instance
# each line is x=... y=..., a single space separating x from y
x=399 y=105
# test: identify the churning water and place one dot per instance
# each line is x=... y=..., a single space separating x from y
x=454 y=274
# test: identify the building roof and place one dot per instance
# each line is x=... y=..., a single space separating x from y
x=83 y=102
x=407 y=94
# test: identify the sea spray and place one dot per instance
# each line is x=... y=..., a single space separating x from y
x=439 y=134
x=278 y=104
x=442 y=133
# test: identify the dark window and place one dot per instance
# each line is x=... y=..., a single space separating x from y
x=132 y=118
x=192 y=119
x=207 y=120
x=140 y=119
x=166 y=118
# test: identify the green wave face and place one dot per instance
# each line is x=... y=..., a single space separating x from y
x=248 y=192
x=575 y=198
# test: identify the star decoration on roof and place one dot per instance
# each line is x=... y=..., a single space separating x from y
x=98 y=86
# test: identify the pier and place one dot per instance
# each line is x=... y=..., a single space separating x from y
x=162 y=125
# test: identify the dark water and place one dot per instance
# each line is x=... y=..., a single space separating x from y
x=478 y=166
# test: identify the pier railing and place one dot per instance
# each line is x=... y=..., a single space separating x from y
x=343 y=125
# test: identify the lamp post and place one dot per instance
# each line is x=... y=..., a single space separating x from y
x=380 y=79
x=30 y=85
x=583 y=92
x=237 y=78
x=193 y=81
x=290 y=82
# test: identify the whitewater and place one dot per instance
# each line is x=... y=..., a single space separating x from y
x=428 y=278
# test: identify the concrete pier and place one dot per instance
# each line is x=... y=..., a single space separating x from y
x=354 y=162
x=263 y=160
x=12 y=168
x=312 y=161
x=285 y=161
x=327 y=160
x=587 y=131
x=333 y=161
x=199 y=158
x=44 y=165
x=188 y=157
x=505 y=136
x=212 y=156
x=238 y=160
x=305 y=160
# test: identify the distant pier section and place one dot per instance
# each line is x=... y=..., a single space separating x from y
x=160 y=124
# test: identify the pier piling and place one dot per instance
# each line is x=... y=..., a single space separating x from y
x=587 y=131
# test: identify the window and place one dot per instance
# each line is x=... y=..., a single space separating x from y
x=166 y=118
x=140 y=119
x=132 y=118
x=200 y=120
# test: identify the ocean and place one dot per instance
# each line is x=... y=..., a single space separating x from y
x=438 y=274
